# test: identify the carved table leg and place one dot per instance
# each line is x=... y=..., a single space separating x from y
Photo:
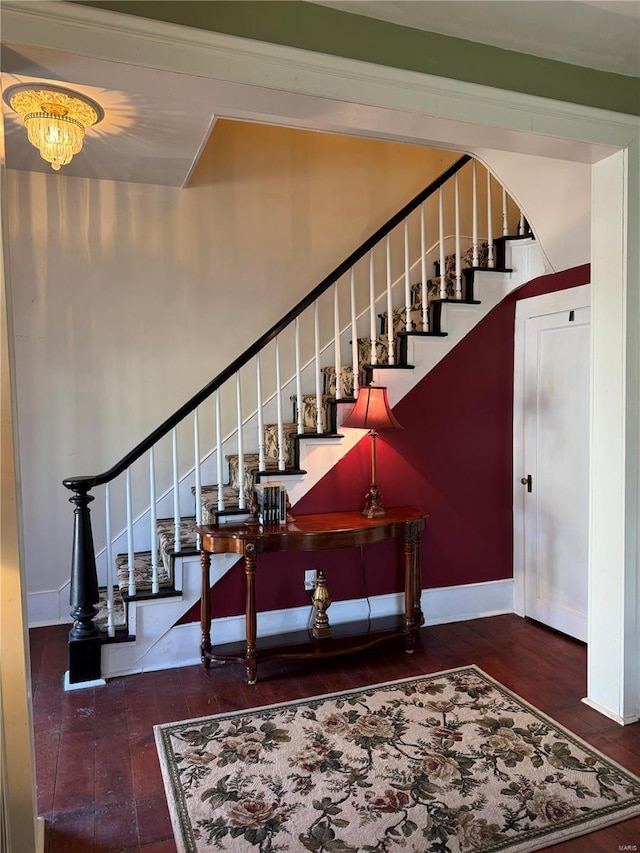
x=251 y=661
x=418 y=616
x=413 y=613
x=205 y=610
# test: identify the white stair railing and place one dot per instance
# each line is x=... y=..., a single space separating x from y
x=423 y=270
x=153 y=522
x=456 y=192
x=491 y=259
x=377 y=294
x=111 y=631
x=337 y=345
x=373 y=317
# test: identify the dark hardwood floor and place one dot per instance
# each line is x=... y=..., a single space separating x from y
x=99 y=782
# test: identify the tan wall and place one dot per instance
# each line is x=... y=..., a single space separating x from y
x=129 y=298
x=17 y=785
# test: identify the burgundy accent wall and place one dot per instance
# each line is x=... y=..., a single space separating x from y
x=453 y=456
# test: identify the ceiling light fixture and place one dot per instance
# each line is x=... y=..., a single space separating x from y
x=55 y=119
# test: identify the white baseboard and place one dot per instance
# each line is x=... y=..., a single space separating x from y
x=181 y=645
x=82 y=685
x=50 y=607
x=468 y=601
x=617 y=718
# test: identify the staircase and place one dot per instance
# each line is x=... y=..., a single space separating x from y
x=402 y=322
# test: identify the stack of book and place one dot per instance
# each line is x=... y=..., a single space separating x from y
x=272 y=503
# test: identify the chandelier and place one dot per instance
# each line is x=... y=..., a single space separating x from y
x=55 y=119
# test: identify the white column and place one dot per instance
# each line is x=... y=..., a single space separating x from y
x=196 y=466
x=474 y=203
x=130 y=551
x=456 y=191
x=261 y=459
x=153 y=522
x=390 y=330
x=111 y=631
x=354 y=334
x=219 y=475
x=298 y=379
x=242 y=498
x=443 y=285
x=490 y=259
x=336 y=340
x=316 y=339
x=505 y=214
x=176 y=491
x=281 y=459
x=521 y=223
x=423 y=270
x=373 y=333
x=613 y=678
x=407 y=278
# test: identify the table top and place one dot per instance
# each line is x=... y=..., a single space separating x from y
x=315 y=531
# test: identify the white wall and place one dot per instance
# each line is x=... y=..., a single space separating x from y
x=128 y=299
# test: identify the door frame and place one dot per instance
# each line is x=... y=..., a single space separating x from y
x=534 y=306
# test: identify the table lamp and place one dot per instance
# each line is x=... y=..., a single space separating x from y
x=372 y=412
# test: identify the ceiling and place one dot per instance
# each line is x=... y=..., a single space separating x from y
x=600 y=34
x=157 y=122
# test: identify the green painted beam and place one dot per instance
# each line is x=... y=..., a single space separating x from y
x=330 y=31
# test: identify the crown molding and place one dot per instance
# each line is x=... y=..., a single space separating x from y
x=127 y=39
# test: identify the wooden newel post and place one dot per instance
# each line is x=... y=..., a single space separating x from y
x=84 y=637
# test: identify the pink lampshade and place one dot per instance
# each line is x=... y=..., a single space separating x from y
x=372 y=411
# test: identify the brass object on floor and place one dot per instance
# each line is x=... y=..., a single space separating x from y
x=321 y=600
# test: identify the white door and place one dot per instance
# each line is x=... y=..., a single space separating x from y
x=554 y=476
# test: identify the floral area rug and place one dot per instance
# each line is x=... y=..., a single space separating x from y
x=444 y=762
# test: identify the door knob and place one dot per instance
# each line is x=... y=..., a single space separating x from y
x=526 y=481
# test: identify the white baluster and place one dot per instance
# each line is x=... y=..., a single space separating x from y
x=153 y=523
x=423 y=270
x=474 y=201
x=337 y=344
x=373 y=334
x=111 y=631
x=456 y=190
x=130 y=557
x=241 y=495
x=197 y=472
x=521 y=226
x=505 y=214
x=443 y=284
x=219 y=475
x=316 y=340
x=261 y=458
x=299 y=411
x=490 y=256
x=354 y=336
x=390 y=330
x=407 y=279
x=177 y=545
x=281 y=458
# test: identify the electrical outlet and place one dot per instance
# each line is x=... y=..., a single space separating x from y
x=310 y=578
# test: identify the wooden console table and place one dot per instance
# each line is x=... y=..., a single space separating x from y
x=312 y=533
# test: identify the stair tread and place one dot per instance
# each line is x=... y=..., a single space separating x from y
x=142 y=571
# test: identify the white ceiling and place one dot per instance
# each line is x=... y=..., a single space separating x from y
x=157 y=122
x=600 y=34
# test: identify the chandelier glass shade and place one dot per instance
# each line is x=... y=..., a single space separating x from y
x=55 y=119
